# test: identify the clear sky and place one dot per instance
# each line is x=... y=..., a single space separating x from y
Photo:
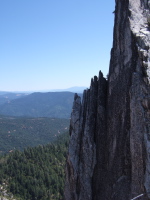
x=53 y=44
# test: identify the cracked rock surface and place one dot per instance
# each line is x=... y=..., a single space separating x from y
x=109 y=151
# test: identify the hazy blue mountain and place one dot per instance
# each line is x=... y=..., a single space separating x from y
x=3 y=92
x=72 y=89
x=75 y=89
x=50 y=104
x=6 y=97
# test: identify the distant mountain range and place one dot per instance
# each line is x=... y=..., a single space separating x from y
x=72 y=89
x=75 y=89
x=6 y=97
x=49 y=104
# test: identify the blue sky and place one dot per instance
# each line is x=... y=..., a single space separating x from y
x=54 y=44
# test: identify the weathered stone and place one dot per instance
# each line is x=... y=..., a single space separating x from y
x=109 y=152
x=82 y=149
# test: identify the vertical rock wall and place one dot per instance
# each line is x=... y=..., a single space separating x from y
x=109 y=152
x=84 y=131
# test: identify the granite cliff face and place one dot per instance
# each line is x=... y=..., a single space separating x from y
x=109 y=151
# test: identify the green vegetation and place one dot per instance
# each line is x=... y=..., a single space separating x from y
x=33 y=149
x=37 y=173
x=19 y=133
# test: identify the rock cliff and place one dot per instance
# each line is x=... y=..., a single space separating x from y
x=109 y=150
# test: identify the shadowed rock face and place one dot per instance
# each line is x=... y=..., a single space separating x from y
x=109 y=147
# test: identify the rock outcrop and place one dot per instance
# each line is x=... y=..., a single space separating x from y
x=109 y=151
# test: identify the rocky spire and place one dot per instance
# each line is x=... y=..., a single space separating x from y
x=110 y=130
x=81 y=161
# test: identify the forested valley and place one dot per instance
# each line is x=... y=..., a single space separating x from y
x=33 y=146
x=21 y=132
x=37 y=173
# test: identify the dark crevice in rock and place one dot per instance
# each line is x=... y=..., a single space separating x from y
x=109 y=147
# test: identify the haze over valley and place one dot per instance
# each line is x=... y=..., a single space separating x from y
x=49 y=51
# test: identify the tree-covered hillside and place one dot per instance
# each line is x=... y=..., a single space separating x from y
x=36 y=173
x=50 y=104
x=19 y=133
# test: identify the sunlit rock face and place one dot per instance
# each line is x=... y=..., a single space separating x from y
x=84 y=131
x=109 y=151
